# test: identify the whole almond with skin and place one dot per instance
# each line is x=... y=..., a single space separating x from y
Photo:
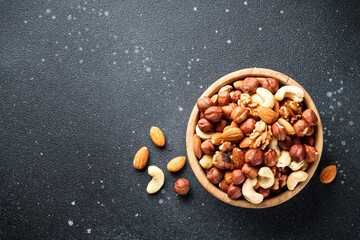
x=238 y=84
x=157 y=136
x=176 y=164
x=197 y=146
x=245 y=143
x=232 y=135
x=288 y=127
x=141 y=158
x=217 y=139
x=328 y=174
x=267 y=115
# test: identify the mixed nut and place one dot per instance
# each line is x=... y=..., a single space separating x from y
x=255 y=138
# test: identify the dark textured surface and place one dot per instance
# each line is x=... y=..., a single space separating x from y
x=83 y=81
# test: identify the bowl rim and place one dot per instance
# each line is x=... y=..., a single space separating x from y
x=194 y=162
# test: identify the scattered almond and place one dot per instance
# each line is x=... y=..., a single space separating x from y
x=238 y=84
x=245 y=143
x=232 y=135
x=328 y=174
x=217 y=139
x=176 y=164
x=267 y=115
x=141 y=158
x=288 y=127
x=197 y=146
x=157 y=136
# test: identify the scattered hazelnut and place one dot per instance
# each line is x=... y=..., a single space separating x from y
x=201 y=115
x=219 y=127
x=238 y=157
x=223 y=185
x=207 y=147
x=223 y=98
x=308 y=141
x=310 y=117
x=227 y=110
x=254 y=157
x=286 y=144
x=226 y=147
x=270 y=157
x=250 y=172
x=234 y=192
x=264 y=192
x=222 y=161
x=301 y=128
x=250 y=85
x=213 y=114
x=248 y=126
x=297 y=152
x=271 y=84
x=182 y=186
x=215 y=175
x=227 y=177
x=235 y=96
x=279 y=131
x=311 y=154
x=239 y=114
x=296 y=139
x=237 y=177
x=204 y=103
x=205 y=125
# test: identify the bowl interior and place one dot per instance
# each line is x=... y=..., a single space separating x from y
x=194 y=162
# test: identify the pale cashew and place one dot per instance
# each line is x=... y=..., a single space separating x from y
x=266 y=177
x=227 y=88
x=267 y=96
x=274 y=145
x=294 y=178
x=298 y=165
x=288 y=127
x=206 y=162
x=249 y=193
x=201 y=134
x=157 y=181
x=292 y=92
x=284 y=160
x=256 y=98
x=306 y=165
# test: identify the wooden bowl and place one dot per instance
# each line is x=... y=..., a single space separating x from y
x=194 y=161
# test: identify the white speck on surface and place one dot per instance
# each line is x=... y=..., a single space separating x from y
x=341 y=119
x=351 y=123
x=339 y=104
x=25 y=21
x=66 y=47
x=53 y=17
x=342 y=182
x=161 y=201
x=106 y=13
x=99 y=13
x=73 y=203
x=114 y=53
x=332 y=118
x=228 y=41
x=70 y=223
x=136 y=215
x=189 y=67
x=80 y=48
x=126 y=51
x=181 y=109
x=81 y=61
x=41 y=154
x=281 y=11
x=148 y=69
x=198 y=59
x=226 y=10
x=88 y=230
x=69 y=17
x=43 y=59
x=343 y=143
x=260 y=28
x=347 y=150
x=331 y=107
x=245 y=3
x=48 y=11
x=114 y=62
x=329 y=94
x=330 y=79
x=195 y=9
x=201 y=86
x=164 y=78
x=136 y=51
x=188 y=83
x=216 y=31
x=162 y=190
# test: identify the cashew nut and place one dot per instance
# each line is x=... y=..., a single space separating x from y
x=227 y=88
x=206 y=162
x=201 y=134
x=292 y=92
x=306 y=165
x=157 y=181
x=256 y=98
x=294 y=178
x=249 y=193
x=298 y=165
x=274 y=145
x=266 y=177
x=267 y=96
x=284 y=160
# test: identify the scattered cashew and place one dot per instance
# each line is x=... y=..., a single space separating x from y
x=206 y=162
x=292 y=92
x=284 y=160
x=267 y=96
x=266 y=177
x=294 y=178
x=256 y=98
x=227 y=88
x=157 y=181
x=288 y=127
x=274 y=145
x=249 y=193
x=201 y=134
x=298 y=165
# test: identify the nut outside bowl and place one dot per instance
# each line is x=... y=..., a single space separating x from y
x=194 y=162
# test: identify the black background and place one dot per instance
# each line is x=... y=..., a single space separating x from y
x=82 y=82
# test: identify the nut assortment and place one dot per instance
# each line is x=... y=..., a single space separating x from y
x=255 y=138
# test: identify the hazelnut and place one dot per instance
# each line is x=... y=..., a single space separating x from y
x=226 y=147
x=219 y=127
x=235 y=96
x=296 y=139
x=182 y=186
x=205 y=125
x=238 y=157
x=204 y=103
x=201 y=115
x=270 y=157
x=286 y=144
x=207 y=147
x=264 y=192
x=239 y=114
x=250 y=172
x=297 y=152
x=227 y=110
x=308 y=141
x=310 y=117
x=254 y=157
x=301 y=128
x=223 y=98
x=271 y=84
x=279 y=131
x=234 y=192
x=222 y=161
x=215 y=175
x=311 y=154
x=248 y=126
x=223 y=186
x=227 y=177
x=213 y=114
x=250 y=85
x=237 y=177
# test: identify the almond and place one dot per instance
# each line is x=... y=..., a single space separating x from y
x=232 y=135
x=197 y=146
x=157 y=136
x=288 y=127
x=238 y=84
x=217 y=139
x=245 y=143
x=267 y=115
x=214 y=99
x=141 y=158
x=234 y=124
x=328 y=174
x=176 y=164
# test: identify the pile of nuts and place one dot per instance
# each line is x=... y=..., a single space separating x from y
x=255 y=138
